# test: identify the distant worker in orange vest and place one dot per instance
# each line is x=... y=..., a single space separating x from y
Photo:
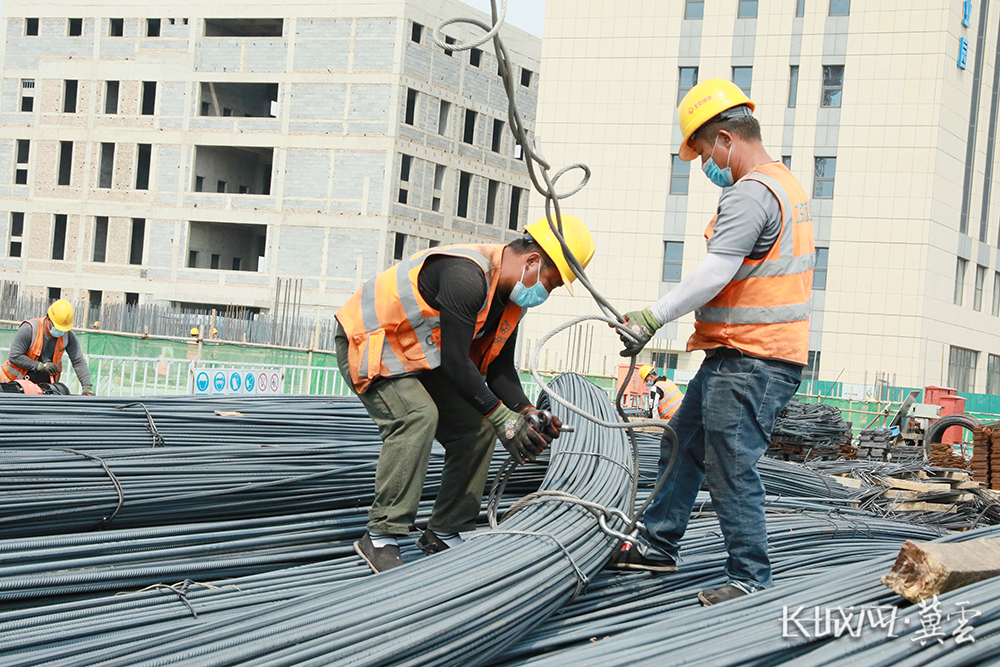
x=38 y=346
x=752 y=300
x=429 y=347
x=664 y=396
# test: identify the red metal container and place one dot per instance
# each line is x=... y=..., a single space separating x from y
x=952 y=405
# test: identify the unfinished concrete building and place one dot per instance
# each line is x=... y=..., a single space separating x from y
x=196 y=154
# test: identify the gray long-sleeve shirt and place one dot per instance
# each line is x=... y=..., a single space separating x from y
x=22 y=343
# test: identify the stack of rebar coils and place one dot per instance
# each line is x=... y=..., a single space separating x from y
x=232 y=544
x=807 y=431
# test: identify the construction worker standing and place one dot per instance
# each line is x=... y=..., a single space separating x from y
x=429 y=347
x=37 y=349
x=664 y=396
x=752 y=298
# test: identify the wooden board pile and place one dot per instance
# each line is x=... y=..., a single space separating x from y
x=986 y=455
x=935 y=491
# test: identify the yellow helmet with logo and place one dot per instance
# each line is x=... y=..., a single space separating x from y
x=61 y=315
x=644 y=371
x=703 y=103
x=578 y=240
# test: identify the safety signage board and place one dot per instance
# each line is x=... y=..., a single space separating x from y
x=229 y=382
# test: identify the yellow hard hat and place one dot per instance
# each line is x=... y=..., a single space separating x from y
x=703 y=103
x=578 y=240
x=194 y=331
x=644 y=371
x=61 y=315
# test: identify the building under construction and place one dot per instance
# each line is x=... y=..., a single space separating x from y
x=194 y=156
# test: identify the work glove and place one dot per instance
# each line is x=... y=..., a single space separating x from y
x=47 y=367
x=87 y=390
x=550 y=431
x=517 y=437
x=644 y=325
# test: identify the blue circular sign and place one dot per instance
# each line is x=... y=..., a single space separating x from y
x=220 y=381
x=249 y=382
x=235 y=380
x=202 y=381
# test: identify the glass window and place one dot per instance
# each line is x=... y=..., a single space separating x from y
x=743 y=77
x=811 y=371
x=748 y=9
x=962 y=368
x=833 y=85
x=826 y=169
x=819 y=273
x=960 y=267
x=793 y=86
x=687 y=80
x=800 y=7
x=977 y=295
x=694 y=9
x=840 y=7
x=993 y=374
x=996 y=294
x=673 y=256
x=680 y=174
x=787 y=161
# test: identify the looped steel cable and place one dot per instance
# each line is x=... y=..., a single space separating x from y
x=114 y=481
x=150 y=424
x=180 y=589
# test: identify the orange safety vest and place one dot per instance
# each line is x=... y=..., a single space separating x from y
x=764 y=310
x=672 y=396
x=9 y=372
x=391 y=330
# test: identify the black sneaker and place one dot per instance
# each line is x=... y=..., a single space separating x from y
x=730 y=591
x=629 y=558
x=379 y=559
x=430 y=543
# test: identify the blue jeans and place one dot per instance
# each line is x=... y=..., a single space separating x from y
x=723 y=425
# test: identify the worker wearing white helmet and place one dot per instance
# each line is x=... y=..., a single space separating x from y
x=752 y=298
x=37 y=349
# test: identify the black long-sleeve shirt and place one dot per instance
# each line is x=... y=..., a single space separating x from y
x=457 y=288
x=21 y=344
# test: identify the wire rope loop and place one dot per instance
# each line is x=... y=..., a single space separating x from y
x=180 y=589
x=581 y=579
x=114 y=482
x=492 y=31
x=579 y=186
x=150 y=424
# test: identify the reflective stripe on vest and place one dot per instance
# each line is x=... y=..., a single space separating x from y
x=764 y=310
x=672 y=396
x=392 y=331
x=12 y=372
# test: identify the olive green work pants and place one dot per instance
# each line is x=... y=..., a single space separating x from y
x=410 y=412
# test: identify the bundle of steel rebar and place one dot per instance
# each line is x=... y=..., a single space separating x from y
x=756 y=630
x=495 y=587
x=806 y=431
x=85 y=423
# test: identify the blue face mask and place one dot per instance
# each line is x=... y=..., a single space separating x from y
x=55 y=333
x=721 y=177
x=529 y=297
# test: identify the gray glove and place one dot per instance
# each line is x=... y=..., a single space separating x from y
x=47 y=367
x=514 y=433
x=87 y=390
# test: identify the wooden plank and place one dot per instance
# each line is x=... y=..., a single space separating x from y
x=966 y=485
x=849 y=482
x=923 y=570
x=910 y=485
x=900 y=494
x=960 y=476
x=944 y=508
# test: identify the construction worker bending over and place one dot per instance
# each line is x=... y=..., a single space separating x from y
x=664 y=396
x=37 y=349
x=751 y=298
x=429 y=347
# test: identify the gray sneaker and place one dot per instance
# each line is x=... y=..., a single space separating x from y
x=430 y=543
x=731 y=591
x=379 y=559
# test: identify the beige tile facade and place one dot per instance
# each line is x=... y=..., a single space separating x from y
x=894 y=225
